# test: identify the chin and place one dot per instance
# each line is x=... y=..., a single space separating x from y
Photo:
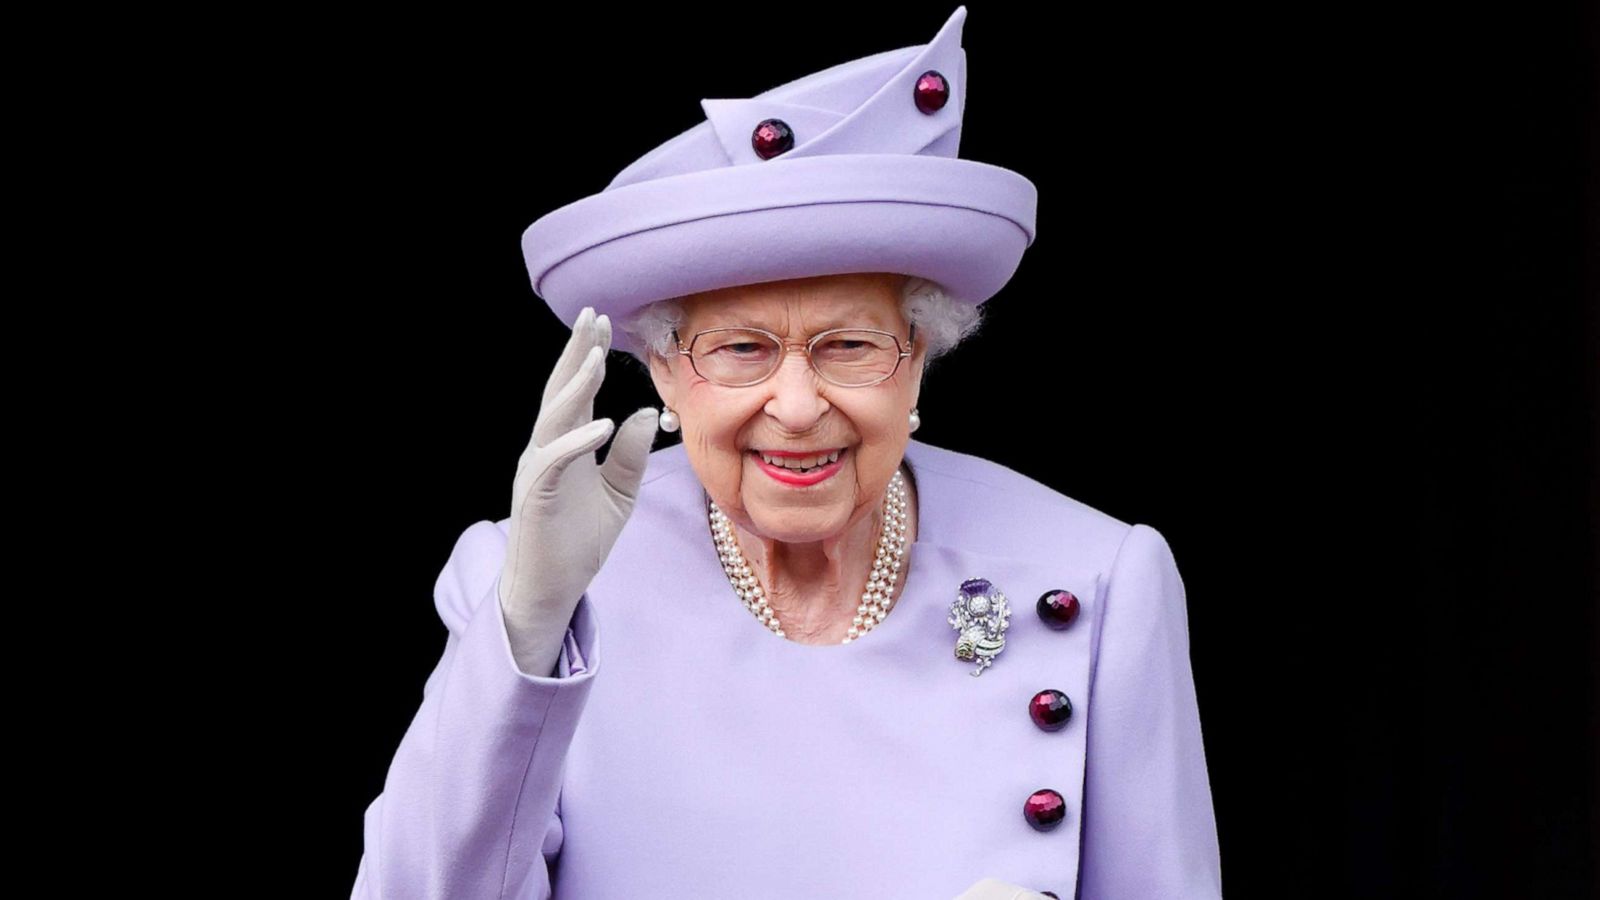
x=788 y=527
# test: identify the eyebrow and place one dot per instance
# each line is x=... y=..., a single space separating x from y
x=854 y=318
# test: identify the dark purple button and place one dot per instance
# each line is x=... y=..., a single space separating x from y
x=1058 y=608
x=772 y=137
x=1050 y=709
x=1044 y=809
x=932 y=92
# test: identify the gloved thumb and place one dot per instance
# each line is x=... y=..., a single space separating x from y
x=630 y=451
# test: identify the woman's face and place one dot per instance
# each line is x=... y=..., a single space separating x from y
x=795 y=408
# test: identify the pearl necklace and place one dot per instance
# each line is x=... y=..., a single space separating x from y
x=875 y=600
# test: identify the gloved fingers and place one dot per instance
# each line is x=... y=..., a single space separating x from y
x=602 y=332
x=560 y=453
x=573 y=405
x=630 y=452
x=538 y=474
x=572 y=356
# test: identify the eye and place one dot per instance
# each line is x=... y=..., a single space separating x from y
x=847 y=348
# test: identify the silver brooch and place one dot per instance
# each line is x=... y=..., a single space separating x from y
x=981 y=615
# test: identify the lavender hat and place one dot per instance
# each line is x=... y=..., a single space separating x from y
x=850 y=169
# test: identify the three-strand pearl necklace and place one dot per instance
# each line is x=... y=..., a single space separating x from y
x=875 y=600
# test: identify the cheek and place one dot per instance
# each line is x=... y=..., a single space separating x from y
x=714 y=423
x=882 y=428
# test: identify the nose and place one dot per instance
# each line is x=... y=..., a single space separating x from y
x=795 y=394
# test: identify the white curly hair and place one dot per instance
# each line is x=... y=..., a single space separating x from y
x=942 y=321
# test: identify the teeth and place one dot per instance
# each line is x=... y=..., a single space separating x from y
x=805 y=462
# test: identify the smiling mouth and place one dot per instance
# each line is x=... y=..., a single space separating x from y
x=843 y=452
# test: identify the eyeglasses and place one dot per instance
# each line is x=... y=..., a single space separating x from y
x=740 y=356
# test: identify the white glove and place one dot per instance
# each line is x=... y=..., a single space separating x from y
x=995 y=889
x=567 y=510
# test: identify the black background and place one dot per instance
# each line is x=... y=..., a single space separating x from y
x=1313 y=293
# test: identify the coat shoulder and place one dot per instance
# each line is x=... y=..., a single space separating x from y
x=984 y=505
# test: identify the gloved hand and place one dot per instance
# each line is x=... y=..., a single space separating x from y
x=995 y=889
x=567 y=510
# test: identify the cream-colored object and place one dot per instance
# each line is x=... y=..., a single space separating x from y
x=995 y=889
x=566 y=509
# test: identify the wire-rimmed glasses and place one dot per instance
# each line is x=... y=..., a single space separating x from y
x=741 y=356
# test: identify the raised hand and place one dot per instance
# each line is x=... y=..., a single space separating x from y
x=566 y=509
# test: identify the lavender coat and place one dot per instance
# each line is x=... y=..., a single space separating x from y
x=681 y=750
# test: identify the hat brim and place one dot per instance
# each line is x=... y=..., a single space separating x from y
x=959 y=222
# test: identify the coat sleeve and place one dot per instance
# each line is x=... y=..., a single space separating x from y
x=1149 y=831
x=469 y=807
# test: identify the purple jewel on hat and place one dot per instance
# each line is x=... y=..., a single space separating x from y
x=849 y=169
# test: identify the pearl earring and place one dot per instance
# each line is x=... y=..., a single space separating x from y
x=916 y=420
x=669 y=419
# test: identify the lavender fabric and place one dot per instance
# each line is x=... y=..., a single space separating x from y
x=871 y=184
x=681 y=750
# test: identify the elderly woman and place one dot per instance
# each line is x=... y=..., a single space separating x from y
x=798 y=654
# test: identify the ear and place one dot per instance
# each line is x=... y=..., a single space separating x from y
x=666 y=381
x=914 y=363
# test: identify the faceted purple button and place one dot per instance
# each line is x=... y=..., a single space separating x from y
x=1058 y=608
x=932 y=92
x=1050 y=709
x=973 y=587
x=1044 y=809
x=771 y=138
